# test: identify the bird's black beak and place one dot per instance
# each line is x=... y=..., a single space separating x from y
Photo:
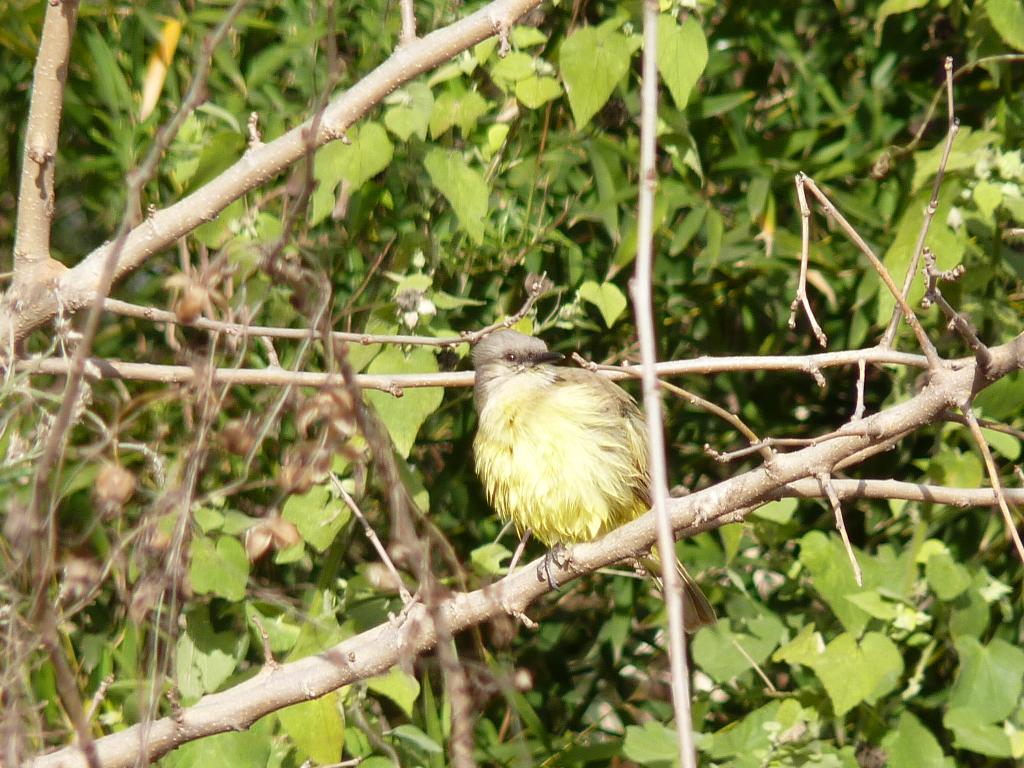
x=550 y=357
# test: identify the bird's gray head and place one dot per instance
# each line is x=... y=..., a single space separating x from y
x=506 y=353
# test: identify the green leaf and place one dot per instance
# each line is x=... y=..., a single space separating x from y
x=803 y=649
x=653 y=745
x=221 y=569
x=1002 y=443
x=971 y=732
x=853 y=673
x=606 y=297
x=488 y=558
x=514 y=67
x=417 y=738
x=224 y=750
x=1007 y=17
x=368 y=152
x=205 y=658
x=316 y=728
x=592 y=61
x=464 y=188
x=456 y=106
x=946 y=577
x=411 y=115
x=911 y=745
x=403 y=416
x=317 y=515
x=401 y=688
x=989 y=680
x=535 y=91
x=967 y=147
x=682 y=56
x=780 y=511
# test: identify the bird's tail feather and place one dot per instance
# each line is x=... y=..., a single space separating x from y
x=697 y=611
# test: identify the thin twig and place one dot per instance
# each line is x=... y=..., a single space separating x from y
x=395 y=384
x=993 y=476
x=535 y=288
x=922 y=339
x=641 y=288
x=858 y=410
x=837 y=508
x=375 y=541
x=269 y=662
x=961 y=498
x=965 y=69
x=933 y=206
x=957 y=322
x=801 y=288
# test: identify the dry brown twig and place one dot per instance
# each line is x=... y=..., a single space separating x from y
x=640 y=290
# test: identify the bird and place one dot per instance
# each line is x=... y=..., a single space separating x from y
x=562 y=452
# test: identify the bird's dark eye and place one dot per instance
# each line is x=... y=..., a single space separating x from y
x=510 y=356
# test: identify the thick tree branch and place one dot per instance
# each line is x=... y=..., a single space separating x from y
x=36 y=198
x=260 y=163
x=375 y=651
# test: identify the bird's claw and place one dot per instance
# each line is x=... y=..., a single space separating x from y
x=557 y=555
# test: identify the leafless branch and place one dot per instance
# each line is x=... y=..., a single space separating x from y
x=933 y=206
x=923 y=341
x=825 y=480
x=640 y=288
x=535 y=287
x=801 y=288
x=100 y=368
x=993 y=477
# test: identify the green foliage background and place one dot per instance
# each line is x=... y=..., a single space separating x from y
x=428 y=221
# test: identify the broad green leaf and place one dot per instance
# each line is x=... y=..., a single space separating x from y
x=967 y=146
x=456 y=106
x=990 y=679
x=464 y=188
x=535 y=91
x=682 y=56
x=488 y=558
x=527 y=37
x=400 y=687
x=317 y=515
x=224 y=750
x=780 y=511
x=803 y=649
x=221 y=569
x=411 y=115
x=403 y=416
x=973 y=733
x=875 y=604
x=316 y=728
x=911 y=745
x=1003 y=400
x=652 y=744
x=1007 y=445
x=853 y=673
x=368 y=152
x=746 y=735
x=512 y=68
x=946 y=577
x=592 y=61
x=607 y=298
x=205 y=658
x=1007 y=17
